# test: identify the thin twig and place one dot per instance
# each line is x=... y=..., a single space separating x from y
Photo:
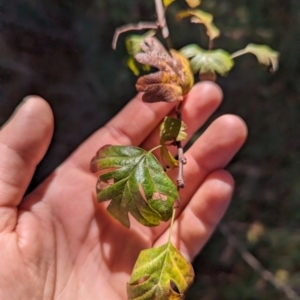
x=161 y=18
x=181 y=159
x=160 y=23
x=238 y=53
x=128 y=27
x=256 y=265
x=210 y=44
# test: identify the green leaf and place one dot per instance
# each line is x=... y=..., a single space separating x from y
x=133 y=46
x=172 y=129
x=134 y=41
x=134 y=181
x=264 y=54
x=156 y=273
x=202 y=17
x=208 y=61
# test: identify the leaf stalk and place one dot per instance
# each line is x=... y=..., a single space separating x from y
x=171 y=225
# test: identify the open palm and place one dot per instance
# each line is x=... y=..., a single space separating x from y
x=59 y=243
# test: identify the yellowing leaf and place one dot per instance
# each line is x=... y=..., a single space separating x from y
x=202 y=17
x=132 y=65
x=134 y=41
x=129 y=178
x=160 y=273
x=193 y=3
x=168 y=2
x=208 y=61
x=133 y=46
x=264 y=54
x=168 y=158
x=174 y=78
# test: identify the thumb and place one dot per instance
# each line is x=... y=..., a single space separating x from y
x=24 y=140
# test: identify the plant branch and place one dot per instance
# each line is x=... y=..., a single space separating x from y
x=155 y=148
x=181 y=159
x=161 y=18
x=238 y=53
x=256 y=265
x=129 y=27
x=160 y=23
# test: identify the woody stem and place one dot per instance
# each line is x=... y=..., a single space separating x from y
x=161 y=19
x=181 y=159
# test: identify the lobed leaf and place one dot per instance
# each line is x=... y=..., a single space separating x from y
x=156 y=273
x=202 y=17
x=264 y=54
x=134 y=182
x=208 y=61
x=172 y=129
x=174 y=78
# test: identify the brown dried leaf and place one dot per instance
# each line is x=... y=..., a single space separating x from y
x=174 y=78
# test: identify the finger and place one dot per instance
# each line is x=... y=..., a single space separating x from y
x=129 y=127
x=200 y=103
x=23 y=142
x=197 y=222
x=213 y=150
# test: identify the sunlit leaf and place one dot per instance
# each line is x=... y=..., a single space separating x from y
x=202 y=17
x=160 y=273
x=172 y=129
x=174 y=78
x=264 y=54
x=208 y=61
x=193 y=3
x=168 y=2
x=132 y=65
x=133 y=46
x=134 y=182
x=134 y=41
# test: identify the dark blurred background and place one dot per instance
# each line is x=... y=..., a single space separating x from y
x=61 y=50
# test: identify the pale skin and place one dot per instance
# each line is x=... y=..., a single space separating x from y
x=59 y=243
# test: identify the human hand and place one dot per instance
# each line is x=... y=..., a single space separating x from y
x=59 y=243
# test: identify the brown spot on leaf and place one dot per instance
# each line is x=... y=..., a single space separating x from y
x=159 y=196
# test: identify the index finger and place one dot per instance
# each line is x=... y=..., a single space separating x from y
x=131 y=126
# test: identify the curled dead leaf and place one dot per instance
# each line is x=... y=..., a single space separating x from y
x=174 y=78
